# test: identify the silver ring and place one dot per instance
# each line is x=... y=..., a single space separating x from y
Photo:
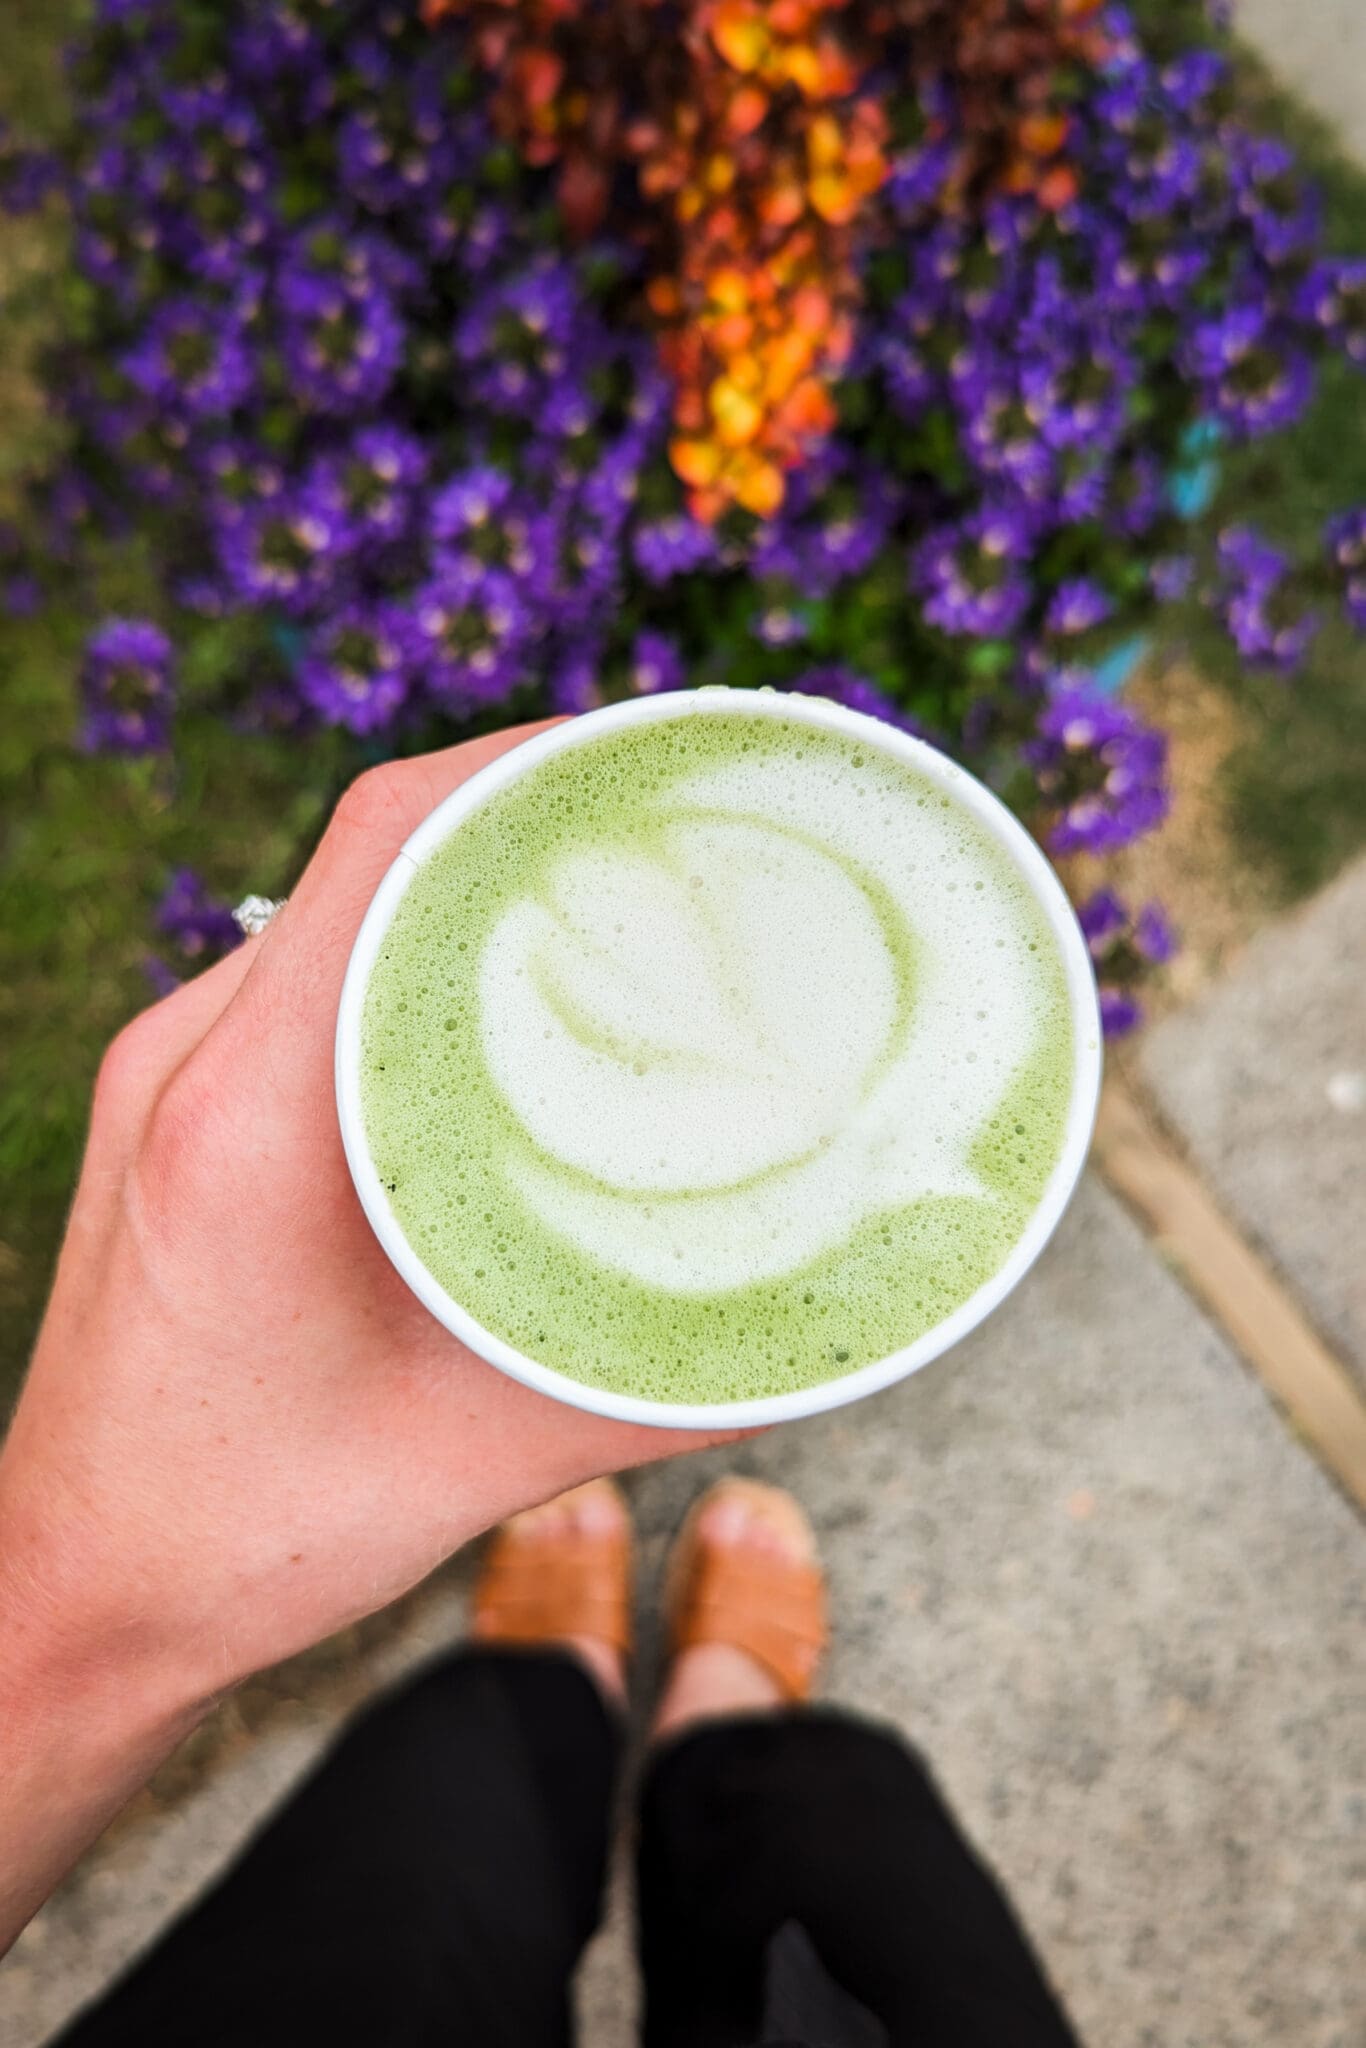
x=254 y=913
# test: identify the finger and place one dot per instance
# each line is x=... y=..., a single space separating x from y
x=189 y=1011
x=287 y=1001
x=303 y=961
x=379 y=811
x=153 y=1046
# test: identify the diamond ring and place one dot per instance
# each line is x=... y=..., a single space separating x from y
x=254 y=913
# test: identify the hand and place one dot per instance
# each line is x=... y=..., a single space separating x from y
x=240 y=1430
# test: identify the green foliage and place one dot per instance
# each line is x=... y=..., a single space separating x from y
x=85 y=844
x=1296 y=789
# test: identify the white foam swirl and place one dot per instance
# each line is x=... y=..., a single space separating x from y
x=709 y=1039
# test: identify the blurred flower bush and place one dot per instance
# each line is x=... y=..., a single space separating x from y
x=459 y=362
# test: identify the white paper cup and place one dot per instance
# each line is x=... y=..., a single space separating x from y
x=935 y=767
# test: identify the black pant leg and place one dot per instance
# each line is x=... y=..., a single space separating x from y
x=818 y=1818
x=433 y=1882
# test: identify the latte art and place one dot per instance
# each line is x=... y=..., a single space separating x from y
x=716 y=1056
x=718 y=1041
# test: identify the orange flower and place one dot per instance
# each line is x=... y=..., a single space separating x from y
x=1043 y=134
x=740 y=36
x=696 y=461
x=756 y=154
x=757 y=486
x=746 y=108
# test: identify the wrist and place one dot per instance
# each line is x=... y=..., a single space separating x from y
x=73 y=1648
x=86 y=1717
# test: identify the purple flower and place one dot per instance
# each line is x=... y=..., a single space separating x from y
x=1346 y=539
x=847 y=535
x=26 y=176
x=212 y=183
x=126 y=688
x=516 y=340
x=1101 y=917
x=843 y=686
x=675 y=545
x=284 y=549
x=1120 y=1012
x=656 y=664
x=459 y=226
x=574 y=686
x=272 y=43
x=1260 y=603
x=367 y=490
x=1123 y=946
x=610 y=486
x=1249 y=560
x=917 y=177
x=1333 y=297
x=342 y=344
x=1170 y=577
x=913 y=381
x=1283 y=212
x=1084 y=485
x=469 y=502
x=374 y=402
x=472 y=630
x=398 y=144
x=1136 y=495
x=1154 y=937
x=1077 y=606
x=589 y=560
x=191 y=359
x=1101 y=771
x=202 y=594
x=999 y=430
x=478 y=517
x=779 y=626
x=20 y=594
x=1077 y=395
x=1255 y=380
x=334 y=248
x=971 y=574
x=1151 y=264
x=201 y=927
x=355 y=669
x=1154 y=159
x=834 y=523
x=1193 y=79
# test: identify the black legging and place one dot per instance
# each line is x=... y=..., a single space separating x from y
x=436 y=1879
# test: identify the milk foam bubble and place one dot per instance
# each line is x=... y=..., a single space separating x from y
x=704 y=1033
x=763 y=1013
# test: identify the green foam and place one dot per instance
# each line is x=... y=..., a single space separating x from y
x=440 y=1133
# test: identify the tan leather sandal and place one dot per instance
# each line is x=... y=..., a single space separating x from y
x=541 y=1584
x=770 y=1606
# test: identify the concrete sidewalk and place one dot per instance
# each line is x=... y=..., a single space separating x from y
x=1318 y=48
x=1265 y=1080
x=1086 y=1568
x=1083 y=1563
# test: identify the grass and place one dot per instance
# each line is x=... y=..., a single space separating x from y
x=1296 y=789
x=85 y=844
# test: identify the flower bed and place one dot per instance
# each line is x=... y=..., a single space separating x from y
x=436 y=406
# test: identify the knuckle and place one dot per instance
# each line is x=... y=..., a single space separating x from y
x=372 y=804
x=179 y=1160
x=128 y=1071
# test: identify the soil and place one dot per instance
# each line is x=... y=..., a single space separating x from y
x=1193 y=866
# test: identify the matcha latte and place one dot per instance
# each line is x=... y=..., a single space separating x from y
x=718 y=1054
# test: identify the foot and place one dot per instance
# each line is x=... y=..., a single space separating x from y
x=554 y=1565
x=741 y=1532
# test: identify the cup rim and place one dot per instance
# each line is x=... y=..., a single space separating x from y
x=1007 y=832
